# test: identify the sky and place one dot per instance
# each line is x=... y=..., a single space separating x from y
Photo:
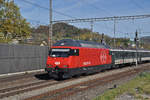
x=37 y=12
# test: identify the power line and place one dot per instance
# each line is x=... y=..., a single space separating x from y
x=31 y=20
x=136 y=4
x=37 y=5
x=104 y=19
x=145 y=32
x=99 y=8
x=109 y=28
x=36 y=21
x=63 y=14
x=112 y=28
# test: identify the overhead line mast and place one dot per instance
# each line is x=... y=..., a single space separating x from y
x=114 y=33
x=50 y=37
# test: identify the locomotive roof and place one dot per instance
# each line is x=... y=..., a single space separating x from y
x=79 y=43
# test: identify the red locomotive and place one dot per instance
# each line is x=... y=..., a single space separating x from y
x=74 y=57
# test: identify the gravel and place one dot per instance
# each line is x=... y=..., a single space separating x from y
x=99 y=90
x=62 y=85
x=126 y=97
x=86 y=95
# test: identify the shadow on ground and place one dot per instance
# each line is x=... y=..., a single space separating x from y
x=43 y=76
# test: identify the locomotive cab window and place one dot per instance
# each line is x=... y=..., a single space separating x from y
x=110 y=53
x=49 y=53
x=74 y=52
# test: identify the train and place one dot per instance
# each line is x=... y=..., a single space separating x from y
x=68 y=58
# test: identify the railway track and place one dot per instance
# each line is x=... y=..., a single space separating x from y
x=18 y=77
x=56 y=93
x=11 y=91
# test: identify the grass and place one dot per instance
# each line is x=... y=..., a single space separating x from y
x=136 y=87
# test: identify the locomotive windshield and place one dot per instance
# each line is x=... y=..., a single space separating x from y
x=59 y=52
x=63 y=52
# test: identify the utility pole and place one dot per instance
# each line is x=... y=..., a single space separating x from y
x=92 y=36
x=102 y=40
x=114 y=33
x=139 y=39
x=50 y=39
x=136 y=42
x=92 y=26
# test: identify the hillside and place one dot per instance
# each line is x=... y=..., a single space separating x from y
x=146 y=39
x=64 y=30
x=145 y=42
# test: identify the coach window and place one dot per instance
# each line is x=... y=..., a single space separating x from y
x=110 y=53
x=118 y=55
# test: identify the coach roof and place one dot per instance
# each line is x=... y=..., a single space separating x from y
x=79 y=43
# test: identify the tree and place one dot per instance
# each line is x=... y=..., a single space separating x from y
x=12 y=22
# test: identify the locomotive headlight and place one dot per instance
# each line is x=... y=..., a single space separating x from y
x=65 y=66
